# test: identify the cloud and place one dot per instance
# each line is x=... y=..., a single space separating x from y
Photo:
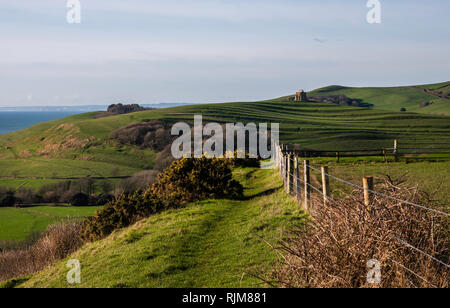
x=212 y=50
x=319 y=40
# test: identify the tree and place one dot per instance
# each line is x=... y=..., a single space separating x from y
x=106 y=187
x=80 y=199
x=7 y=200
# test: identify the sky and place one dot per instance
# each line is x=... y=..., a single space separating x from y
x=201 y=51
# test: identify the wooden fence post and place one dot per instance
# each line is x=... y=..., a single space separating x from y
x=289 y=174
x=338 y=157
x=368 y=190
x=396 y=150
x=325 y=184
x=286 y=172
x=298 y=191
x=280 y=167
x=307 y=183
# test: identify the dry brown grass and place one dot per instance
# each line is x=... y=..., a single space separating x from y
x=332 y=251
x=57 y=242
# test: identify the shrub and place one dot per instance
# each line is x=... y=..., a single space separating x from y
x=424 y=104
x=26 y=195
x=80 y=199
x=140 y=180
x=7 y=200
x=57 y=242
x=190 y=179
x=50 y=197
x=126 y=210
x=334 y=249
x=104 y=199
x=186 y=180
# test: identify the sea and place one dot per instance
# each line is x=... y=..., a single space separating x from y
x=11 y=121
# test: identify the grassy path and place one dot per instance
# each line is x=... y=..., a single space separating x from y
x=213 y=243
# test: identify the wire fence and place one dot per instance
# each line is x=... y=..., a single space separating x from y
x=399 y=149
x=290 y=166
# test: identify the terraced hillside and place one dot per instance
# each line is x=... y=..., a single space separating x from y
x=428 y=99
x=80 y=145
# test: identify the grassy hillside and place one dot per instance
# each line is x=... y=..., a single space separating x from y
x=213 y=243
x=395 y=98
x=84 y=142
x=80 y=145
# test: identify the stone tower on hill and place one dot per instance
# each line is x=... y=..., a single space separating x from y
x=301 y=96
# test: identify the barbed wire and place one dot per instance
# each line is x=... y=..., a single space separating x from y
x=412 y=272
x=316 y=189
x=420 y=251
x=382 y=194
x=396 y=238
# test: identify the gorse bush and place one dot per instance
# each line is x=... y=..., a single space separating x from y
x=189 y=180
x=124 y=211
x=186 y=180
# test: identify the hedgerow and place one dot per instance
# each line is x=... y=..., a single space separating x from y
x=186 y=180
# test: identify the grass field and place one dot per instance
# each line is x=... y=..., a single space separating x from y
x=395 y=98
x=213 y=243
x=18 y=224
x=79 y=145
x=219 y=237
x=430 y=177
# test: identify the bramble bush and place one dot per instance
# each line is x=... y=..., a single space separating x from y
x=184 y=181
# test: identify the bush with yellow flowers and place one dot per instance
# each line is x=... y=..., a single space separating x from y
x=184 y=181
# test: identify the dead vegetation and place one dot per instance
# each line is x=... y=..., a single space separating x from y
x=57 y=242
x=333 y=250
x=155 y=135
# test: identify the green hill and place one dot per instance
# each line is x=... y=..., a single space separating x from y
x=220 y=237
x=395 y=98
x=80 y=145
x=215 y=243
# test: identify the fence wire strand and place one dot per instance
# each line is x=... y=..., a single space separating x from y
x=414 y=273
x=297 y=180
x=382 y=194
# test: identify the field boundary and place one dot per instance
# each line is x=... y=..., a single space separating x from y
x=397 y=151
x=300 y=187
x=49 y=215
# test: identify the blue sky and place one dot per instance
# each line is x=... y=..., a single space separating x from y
x=151 y=51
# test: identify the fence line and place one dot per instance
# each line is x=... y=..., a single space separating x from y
x=420 y=251
x=291 y=171
x=384 y=195
x=412 y=272
x=395 y=238
x=395 y=151
x=286 y=157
